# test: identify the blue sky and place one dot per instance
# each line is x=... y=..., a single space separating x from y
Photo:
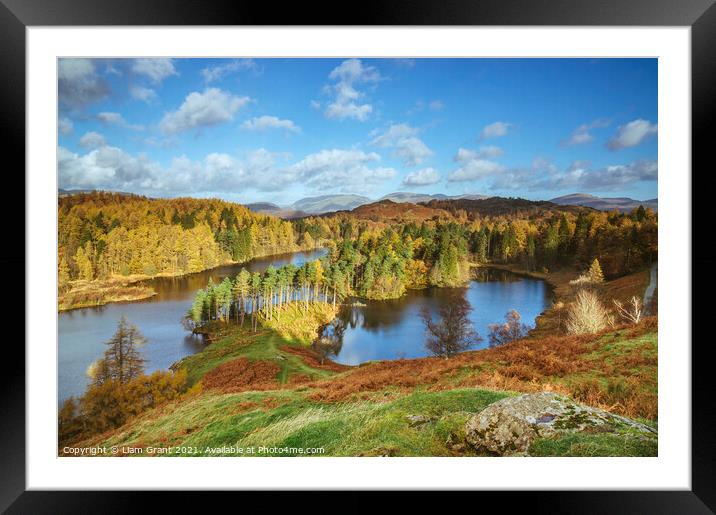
x=281 y=129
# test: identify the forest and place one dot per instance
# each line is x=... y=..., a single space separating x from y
x=377 y=262
x=101 y=235
x=104 y=235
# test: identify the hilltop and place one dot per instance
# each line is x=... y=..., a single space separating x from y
x=622 y=204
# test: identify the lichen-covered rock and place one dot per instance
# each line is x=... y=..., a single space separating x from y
x=510 y=425
x=418 y=420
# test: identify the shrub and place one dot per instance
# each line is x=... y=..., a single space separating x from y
x=513 y=329
x=631 y=313
x=592 y=276
x=595 y=272
x=586 y=314
x=110 y=404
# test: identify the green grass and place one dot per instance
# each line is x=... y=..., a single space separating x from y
x=240 y=342
x=374 y=425
x=587 y=445
x=346 y=429
x=299 y=322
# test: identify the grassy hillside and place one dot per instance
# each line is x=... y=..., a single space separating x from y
x=270 y=393
x=365 y=410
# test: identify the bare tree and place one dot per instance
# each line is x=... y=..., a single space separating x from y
x=453 y=331
x=631 y=313
x=586 y=314
x=513 y=329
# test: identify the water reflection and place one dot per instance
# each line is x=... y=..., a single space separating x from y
x=392 y=329
x=82 y=332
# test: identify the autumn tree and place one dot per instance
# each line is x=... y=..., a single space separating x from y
x=586 y=315
x=452 y=332
x=595 y=272
x=242 y=287
x=122 y=361
x=512 y=329
x=63 y=273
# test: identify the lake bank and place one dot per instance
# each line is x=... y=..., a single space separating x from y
x=82 y=332
x=259 y=389
x=134 y=287
x=375 y=330
x=85 y=294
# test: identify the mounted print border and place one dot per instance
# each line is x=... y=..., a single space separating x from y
x=16 y=16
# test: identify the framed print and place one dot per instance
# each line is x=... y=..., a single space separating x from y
x=395 y=255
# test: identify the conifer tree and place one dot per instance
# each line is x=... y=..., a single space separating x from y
x=63 y=273
x=242 y=287
x=595 y=272
x=122 y=361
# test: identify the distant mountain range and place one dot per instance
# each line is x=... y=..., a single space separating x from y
x=67 y=193
x=330 y=203
x=623 y=204
x=346 y=202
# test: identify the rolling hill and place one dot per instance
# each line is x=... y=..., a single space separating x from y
x=622 y=204
x=327 y=203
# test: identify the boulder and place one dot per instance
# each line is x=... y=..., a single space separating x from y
x=418 y=420
x=509 y=426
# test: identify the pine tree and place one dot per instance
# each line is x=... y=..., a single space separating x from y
x=242 y=287
x=63 y=273
x=84 y=263
x=595 y=272
x=122 y=360
x=197 y=307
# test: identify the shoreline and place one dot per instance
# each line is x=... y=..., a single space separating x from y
x=552 y=282
x=135 y=280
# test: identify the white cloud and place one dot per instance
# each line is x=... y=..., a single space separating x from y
x=349 y=170
x=580 y=137
x=436 y=105
x=475 y=169
x=617 y=176
x=211 y=107
x=142 y=93
x=112 y=168
x=92 y=139
x=581 y=134
x=405 y=144
x=346 y=98
x=495 y=130
x=485 y=152
x=65 y=126
x=156 y=69
x=263 y=123
x=476 y=165
x=78 y=83
x=214 y=73
x=110 y=118
x=632 y=134
x=579 y=176
x=105 y=168
x=423 y=177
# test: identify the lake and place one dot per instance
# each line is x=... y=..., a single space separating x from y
x=82 y=332
x=390 y=329
x=393 y=329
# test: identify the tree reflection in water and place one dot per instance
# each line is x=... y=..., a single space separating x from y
x=331 y=340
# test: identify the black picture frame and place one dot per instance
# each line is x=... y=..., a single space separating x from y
x=700 y=15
